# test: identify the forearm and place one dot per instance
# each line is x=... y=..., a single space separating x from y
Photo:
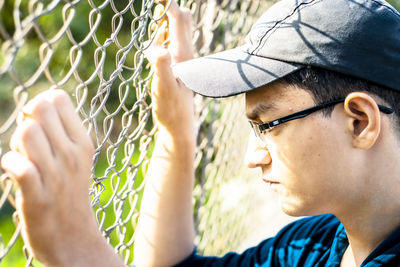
x=92 y=251
x=165 y=232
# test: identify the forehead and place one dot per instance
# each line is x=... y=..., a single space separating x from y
x=274 y=98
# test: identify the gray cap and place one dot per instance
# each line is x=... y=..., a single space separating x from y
x=360 y=38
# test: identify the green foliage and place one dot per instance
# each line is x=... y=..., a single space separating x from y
x=27 y=61
x=395 y=4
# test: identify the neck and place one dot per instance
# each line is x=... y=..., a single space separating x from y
x=365 y=235
x=373 y=218
x=371 y=209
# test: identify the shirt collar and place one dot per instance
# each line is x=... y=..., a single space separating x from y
x=387 y=252
x=339 y=245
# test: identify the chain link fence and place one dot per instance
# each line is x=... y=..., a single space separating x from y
x=93 y=49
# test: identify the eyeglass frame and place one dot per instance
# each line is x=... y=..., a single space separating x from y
x=260 y=128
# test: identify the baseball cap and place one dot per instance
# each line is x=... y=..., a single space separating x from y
x=359 y=38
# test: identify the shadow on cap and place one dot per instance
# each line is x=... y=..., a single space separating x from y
x=360 y=38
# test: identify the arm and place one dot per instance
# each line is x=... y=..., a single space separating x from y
x=165 y=232
x=50 y=159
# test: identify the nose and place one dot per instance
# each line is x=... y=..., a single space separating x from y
x=257 y=154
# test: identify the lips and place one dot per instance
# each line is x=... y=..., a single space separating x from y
x=269 y=181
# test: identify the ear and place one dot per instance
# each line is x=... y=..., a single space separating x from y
x=364 y=120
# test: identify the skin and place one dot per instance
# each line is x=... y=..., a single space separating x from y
x=50 y=159
x=344 y=164
x=166 y=219
x=297 y=154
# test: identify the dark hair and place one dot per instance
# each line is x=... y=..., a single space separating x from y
x=325 y=85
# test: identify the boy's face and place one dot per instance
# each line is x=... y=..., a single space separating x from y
x=306 y=161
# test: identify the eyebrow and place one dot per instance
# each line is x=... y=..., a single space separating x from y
x=254 y=113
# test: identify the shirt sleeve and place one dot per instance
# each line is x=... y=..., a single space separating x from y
x=308 y=238
x=250 y=257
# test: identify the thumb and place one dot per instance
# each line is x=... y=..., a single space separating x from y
x=164 y=80
x=162 y=64
x=160 y=60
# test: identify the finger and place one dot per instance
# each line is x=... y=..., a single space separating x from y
x=24 y=172
x=30 y=140
x=151 y=53
x=160 y=14
x=161 y=36
x=180 y=32
x=70 y=120
x=43 y=112
x=163 y=71
x=163 y=85
x=173 y=10
x=160 y=23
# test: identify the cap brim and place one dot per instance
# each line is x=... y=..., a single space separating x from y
x=231 y=72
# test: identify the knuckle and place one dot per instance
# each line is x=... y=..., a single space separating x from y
x=85 y=142
x=52 y=170
x=59 y=97
x=58 y=182
x=40 y=108
x=163 y=58
x=60 y=93
x=86 y=153
x=180 y=13
x=71 y=162
x=89 y=148
x=186 y=14
x=183 y=16
x=26 y=175
x=43 y=204
x=29 y=130
x=70 y=158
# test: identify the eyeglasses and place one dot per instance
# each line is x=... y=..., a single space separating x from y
x=261 y=129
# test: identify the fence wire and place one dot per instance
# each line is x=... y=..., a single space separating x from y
x=94 y=49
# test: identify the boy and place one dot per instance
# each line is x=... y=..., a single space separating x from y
x=321 y=79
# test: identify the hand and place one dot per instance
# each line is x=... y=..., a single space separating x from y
x=51 y=159
x=172 y=100
x=165 y=231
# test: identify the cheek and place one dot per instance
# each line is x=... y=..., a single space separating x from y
x=313 y=165
x=309 y=158
x=303 y=168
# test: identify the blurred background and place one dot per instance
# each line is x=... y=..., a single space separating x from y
x=93 y=49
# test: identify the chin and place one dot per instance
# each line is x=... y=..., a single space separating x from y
x=292 y=212
x=297 y=209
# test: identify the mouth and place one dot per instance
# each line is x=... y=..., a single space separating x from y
x=270 y=182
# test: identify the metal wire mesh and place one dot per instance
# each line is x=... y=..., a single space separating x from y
x=94 y=50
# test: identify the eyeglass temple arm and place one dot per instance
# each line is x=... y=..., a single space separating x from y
x=304 y=113
x=385 y=110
